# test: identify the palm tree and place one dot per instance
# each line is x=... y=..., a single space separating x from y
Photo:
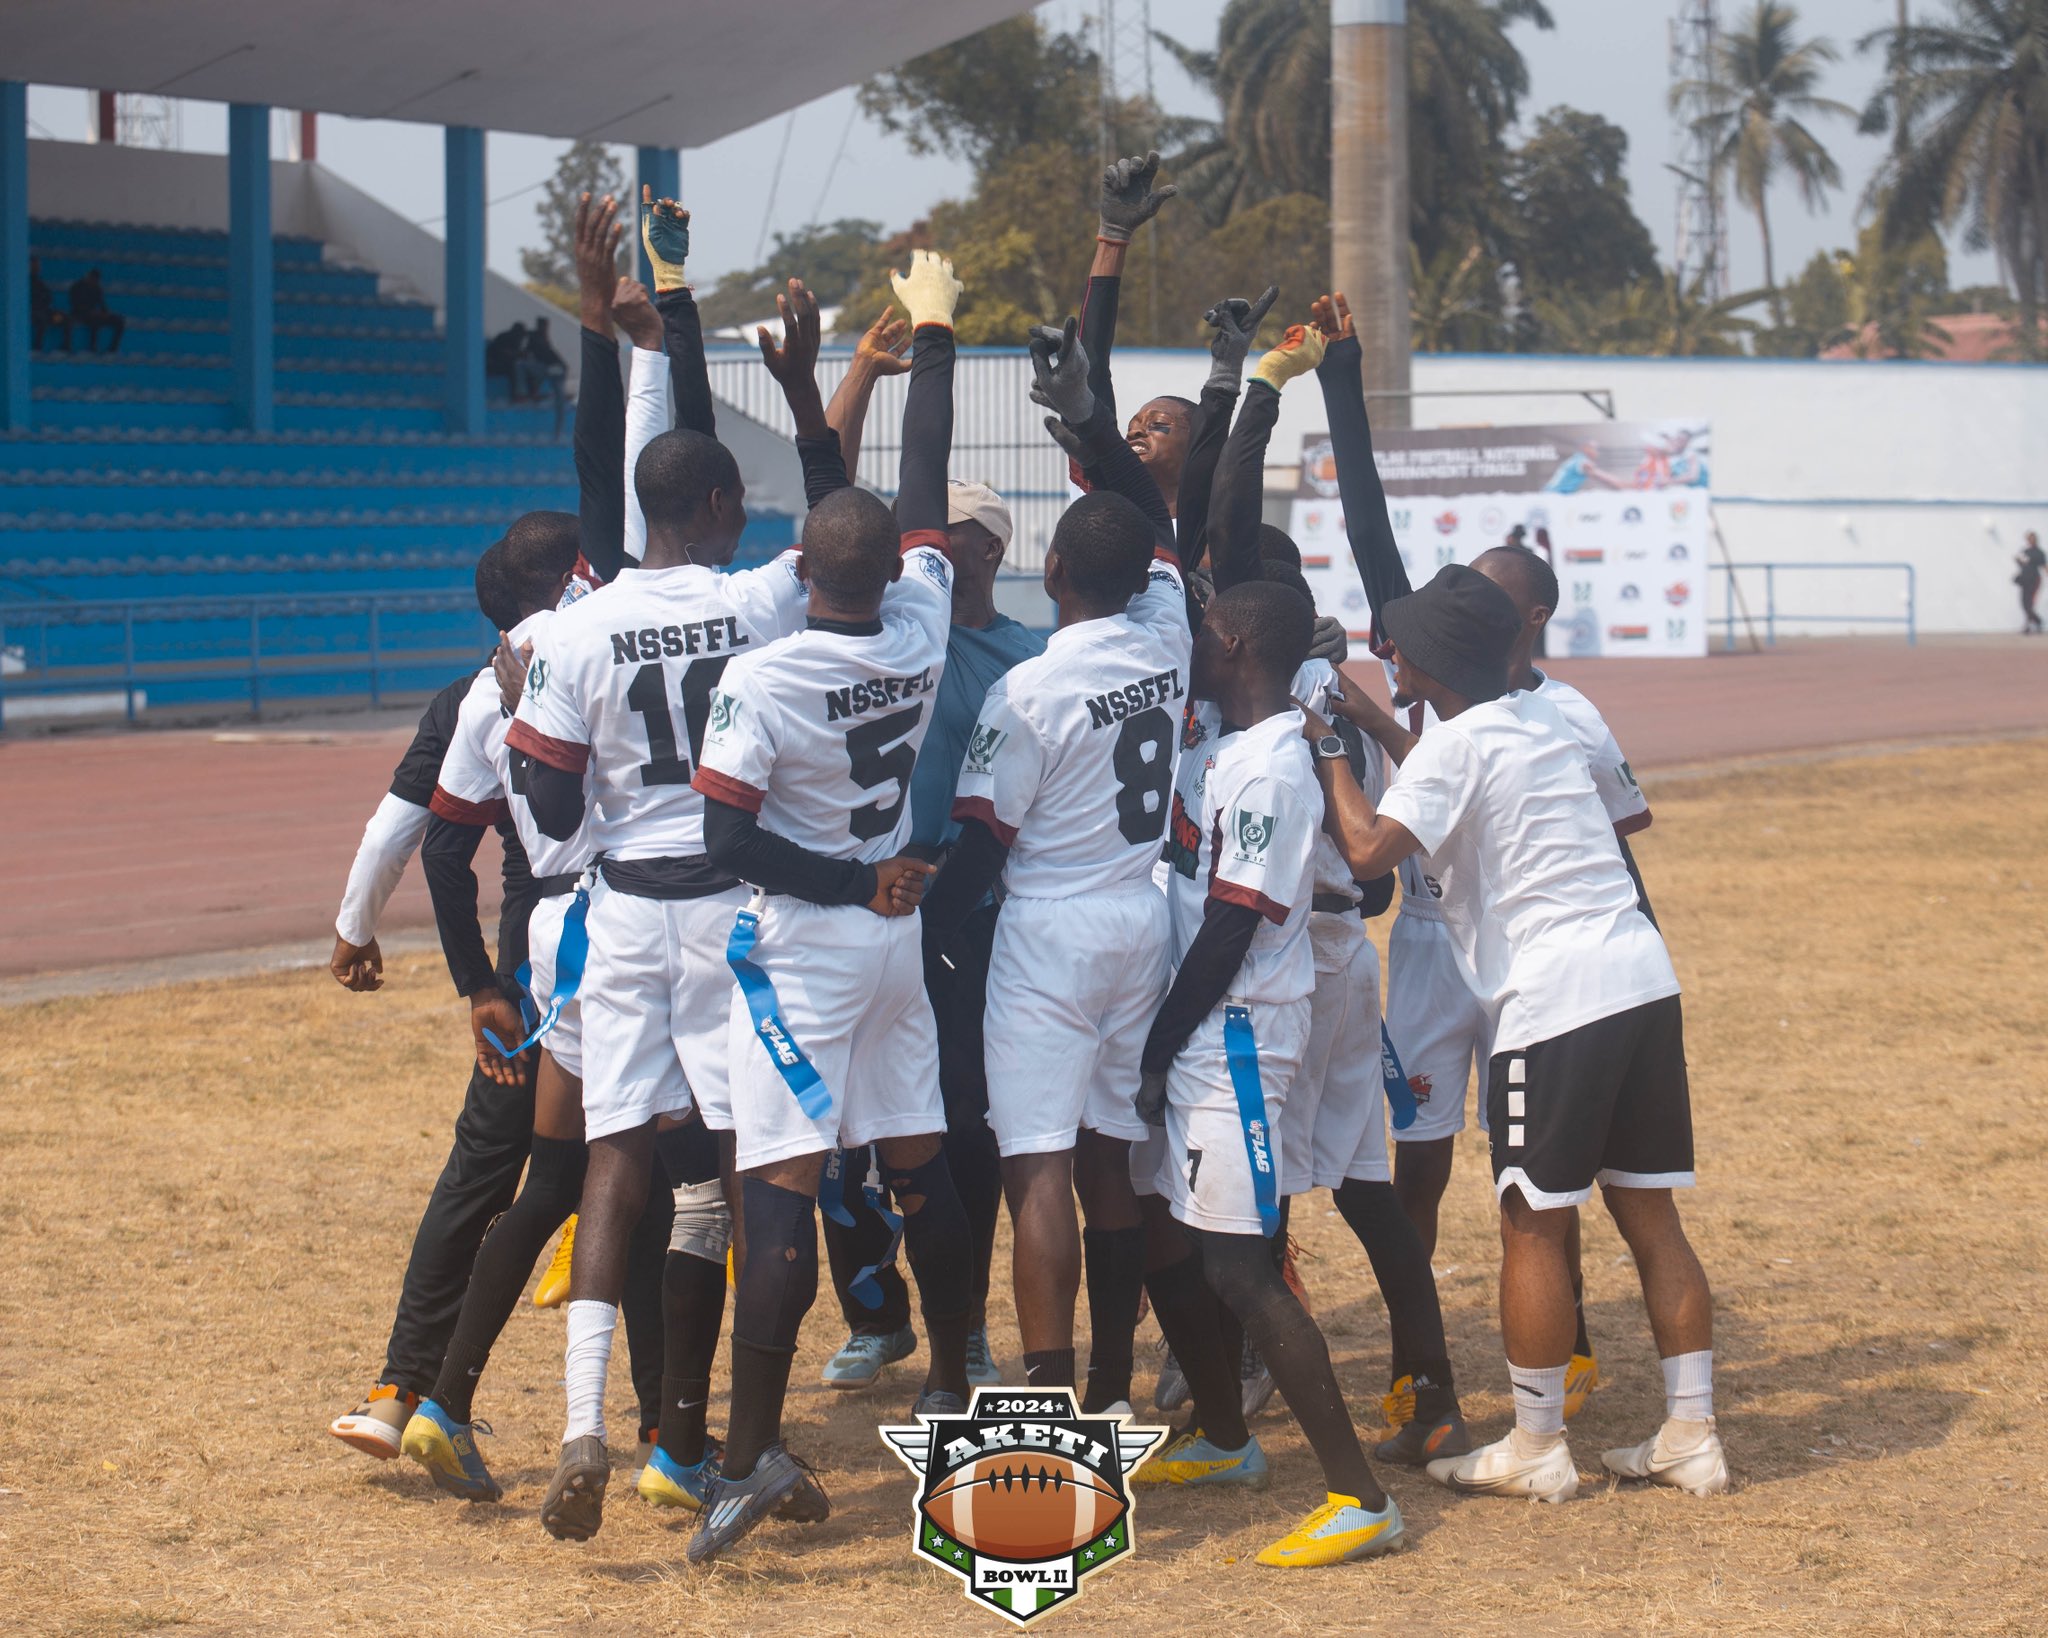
x=1975 y=90
x=1655 y=317
x=1753 y=108
x=1445 y=297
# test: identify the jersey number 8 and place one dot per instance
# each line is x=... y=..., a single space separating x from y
x=1143 y=763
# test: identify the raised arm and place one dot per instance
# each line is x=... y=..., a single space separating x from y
x=1236 y=322
x=1240 y=491
x=794 y=364
x=650 y=404
x=1371 y=843
x=1127 y=203
x=1366 y=522
x=882 y=351
x=1085 y=427
x=665 y=231
x=600 y=433
x=928 y=293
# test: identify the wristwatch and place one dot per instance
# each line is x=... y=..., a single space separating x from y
x=1330 y=749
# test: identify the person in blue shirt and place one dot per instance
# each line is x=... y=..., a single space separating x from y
x=983 y=645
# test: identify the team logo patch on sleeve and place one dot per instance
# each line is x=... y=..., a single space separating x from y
x=1254 y=835
x=723 y=709
x=1024 y=1497
x=536 y=679
x=982 y=746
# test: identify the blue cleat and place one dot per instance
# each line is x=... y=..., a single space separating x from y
x=665 y=1482
x=779 y=1484
x=861 y=1357
x=447 y=1449
x=1191 y=1459
x=981 y=1364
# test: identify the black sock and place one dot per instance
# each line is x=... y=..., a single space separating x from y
x=1240 y=1267
x=640 y=1303
x=1583 y=1344
x=693 y=1314
x=1114 y=1260
x=978 y=1178
x=941 y=1251
x=777 y=1288
x=554 y=1182
x=1188 y=1314
x=1049 y=1368
x=1399 y=1264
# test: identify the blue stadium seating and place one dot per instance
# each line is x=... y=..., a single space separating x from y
x=135 y=485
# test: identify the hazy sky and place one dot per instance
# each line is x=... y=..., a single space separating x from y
x=1607 y=56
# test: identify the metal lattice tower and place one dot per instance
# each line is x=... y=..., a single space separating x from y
x=147 y=122
x=1126 y=27
x=1700 y=254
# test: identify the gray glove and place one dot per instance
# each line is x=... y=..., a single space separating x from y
x=1152 y=1099
x=1237 y=321
x=1128 y=199
x=1329 y=641
x=1060 y=365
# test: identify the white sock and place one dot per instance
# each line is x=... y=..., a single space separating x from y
x=1689 y=1386
x=1539 y=1399
x=586 y=1358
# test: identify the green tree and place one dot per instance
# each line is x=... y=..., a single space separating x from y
x=587 y=167
x=1450 y=305
x=1974 y=90
x=1573 y=225
x=833 y=258
x=1755 y=107
x=1654 y=317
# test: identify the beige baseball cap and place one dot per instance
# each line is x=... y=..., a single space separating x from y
x=977 y=503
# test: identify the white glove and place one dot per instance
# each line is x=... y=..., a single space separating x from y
x=928 y=292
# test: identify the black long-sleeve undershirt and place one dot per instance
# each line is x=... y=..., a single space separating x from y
x=1098 y=334
x=824 y=466
x=735 y=842
x=1202 y=981
x=927 y=432
x=1239 y=494
x=1116 y=469
x=1364 y=497
x=448 y=861
x=600 y=445
x=973 y=867
x=682 y=333
x=1198 y=472
x=554 y=795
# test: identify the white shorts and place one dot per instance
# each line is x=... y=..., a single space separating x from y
x=1438 y=1026
x=1204 y=1169
x=849 y=989
x=1334 y=1126
x=656 y=995
x=1073 y=986
x=563 y=1043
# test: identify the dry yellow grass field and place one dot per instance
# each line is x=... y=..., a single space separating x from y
x=206 y=1195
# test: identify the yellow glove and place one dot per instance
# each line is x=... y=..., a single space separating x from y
x=1300 y=351
x=928 y=292
x=665 y=231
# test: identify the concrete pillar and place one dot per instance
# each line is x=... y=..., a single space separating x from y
x=464 y=302
x=16 y=407
x=1369 y=188
x=105 y=118
x=309 y=135
x=662 y=170
x=252 y=309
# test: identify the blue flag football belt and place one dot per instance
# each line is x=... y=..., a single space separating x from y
x=572 y=950
x=1241 y=1049
x=1400 y=1095
x=832 y=1202
x=799 y=1074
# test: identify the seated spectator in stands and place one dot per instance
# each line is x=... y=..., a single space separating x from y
x=90 y=313
x=45 y=318
x=538 y=368
x=501 y=354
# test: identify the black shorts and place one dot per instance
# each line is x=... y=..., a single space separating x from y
x=1606 y=1102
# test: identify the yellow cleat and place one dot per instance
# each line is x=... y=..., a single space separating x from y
x=1336 y=1533
x=732 y=1279
x=1397 y=1404
x=1581 y=1377
x=1192 y=1459
x=553 y=1289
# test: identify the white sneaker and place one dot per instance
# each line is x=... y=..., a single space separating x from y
x=1520 y=1465
x=1685 y=1455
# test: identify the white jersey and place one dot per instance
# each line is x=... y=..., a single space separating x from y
x=818 y=735
x=1539 y=905
x=1613 y=779
x=621 y=684
x=1247 y=810
x=1313 y=685
x=475 y=786
x=1071 y=760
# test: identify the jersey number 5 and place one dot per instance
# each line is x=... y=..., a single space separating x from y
x=1143 y=763
x=647 y=698
x=873 y=766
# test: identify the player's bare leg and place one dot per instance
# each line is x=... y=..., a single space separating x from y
x=1686 y=1451
x=1046 y=1262
x=1113 y=1261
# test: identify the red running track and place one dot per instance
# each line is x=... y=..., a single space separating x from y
x=134 y=846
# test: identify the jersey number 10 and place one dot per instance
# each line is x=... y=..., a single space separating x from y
x=647 y=698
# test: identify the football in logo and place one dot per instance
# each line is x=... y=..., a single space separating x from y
x=1023 y=1497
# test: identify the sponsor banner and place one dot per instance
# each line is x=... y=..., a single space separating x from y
x=1619 y=508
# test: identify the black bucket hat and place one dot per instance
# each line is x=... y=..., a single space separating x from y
x=1457 y=631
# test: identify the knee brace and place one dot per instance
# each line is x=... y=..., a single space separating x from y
x=703 y=1225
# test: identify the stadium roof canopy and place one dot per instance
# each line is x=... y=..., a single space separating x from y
x=663 y=73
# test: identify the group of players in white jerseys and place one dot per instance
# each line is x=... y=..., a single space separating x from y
x=1177 y=818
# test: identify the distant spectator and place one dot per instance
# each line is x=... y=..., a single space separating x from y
x=501 y=353
x=539 y=368
x=90 y=313
x=45 y=318
x=2031 y=562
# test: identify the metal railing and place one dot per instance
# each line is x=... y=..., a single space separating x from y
x=1772 y=614
x=256 y=642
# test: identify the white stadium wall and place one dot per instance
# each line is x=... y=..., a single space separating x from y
x=1943 y=466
